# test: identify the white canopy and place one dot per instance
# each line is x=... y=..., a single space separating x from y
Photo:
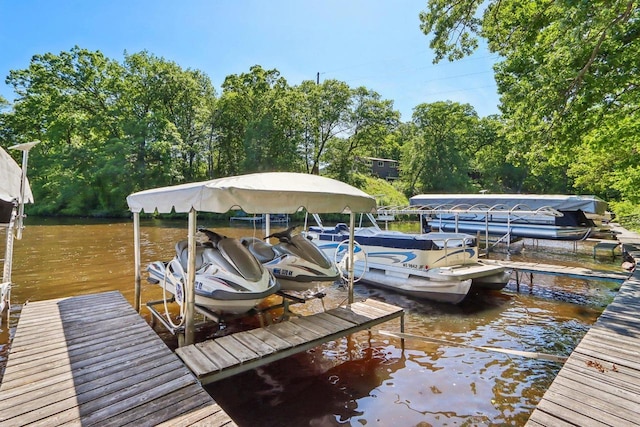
x=10 y=176
x=270 y=192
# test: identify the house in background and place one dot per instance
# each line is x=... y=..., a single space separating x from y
x=382 y=168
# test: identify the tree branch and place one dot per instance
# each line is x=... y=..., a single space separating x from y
x=577 y=82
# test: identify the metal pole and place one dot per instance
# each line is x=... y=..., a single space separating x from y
x=137 y=296
x=23 y=182
x=5 y=285
x=486 y=234
x=190 y=293
x=8 y=252
x=23 y=179
x=352 y=226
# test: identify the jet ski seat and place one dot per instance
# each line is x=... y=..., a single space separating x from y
x=182 y=250
x=262 y=251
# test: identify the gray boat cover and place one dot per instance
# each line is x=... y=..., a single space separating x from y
x=563 y=203
x=10 y=176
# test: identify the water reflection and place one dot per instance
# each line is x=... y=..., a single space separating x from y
x=425 y=382
x=320 y=387
x=367 y=378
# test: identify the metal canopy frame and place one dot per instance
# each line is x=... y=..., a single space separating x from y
x=186 y=335
x=512 y=213
x=269 y=192
x=5 y=284
x=14 y=228
x=518 y=210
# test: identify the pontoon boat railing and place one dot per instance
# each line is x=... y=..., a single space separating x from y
x=518 y=210
x=513 y=213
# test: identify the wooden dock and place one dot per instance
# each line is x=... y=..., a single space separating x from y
x=624 y=236
x=599 y=385
x=560 y=270
x=93 y=360
x=223 y=357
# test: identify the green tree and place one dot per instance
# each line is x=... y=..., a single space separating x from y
x=567 y=68
x=67 y=101
x=437 y=158
x=99 y=121
x=613 y=173
x=371 y=120
x=256 y=124
x=496 y=166
x=394 y=142
x=325 y=115
x=166 y=113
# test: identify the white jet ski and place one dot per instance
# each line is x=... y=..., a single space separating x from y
x=228 y=278
x=297 y=263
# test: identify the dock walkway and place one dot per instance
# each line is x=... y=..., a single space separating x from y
x=93 y=360
x=223 y=357
x=599 y=385
x=560 y=270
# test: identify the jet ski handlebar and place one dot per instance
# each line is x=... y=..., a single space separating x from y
x=283 y=236
x=213 y=237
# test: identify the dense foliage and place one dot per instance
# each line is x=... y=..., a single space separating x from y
x=567 y=79
x=110 y=128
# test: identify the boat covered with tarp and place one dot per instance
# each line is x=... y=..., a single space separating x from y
x=14 y=193
x=540 y=216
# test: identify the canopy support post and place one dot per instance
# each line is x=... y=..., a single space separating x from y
x=190 y=294
x=486 y=235
x=267 y=224
x=23 y=183
x=8 y=252
x=137 y=296
x=5 y=283
x=508 y=231
x=352 y=226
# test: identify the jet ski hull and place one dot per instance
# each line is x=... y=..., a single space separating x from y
x=297 y=263
x=227 y=279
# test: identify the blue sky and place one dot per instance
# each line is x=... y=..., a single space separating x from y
x=373 y=43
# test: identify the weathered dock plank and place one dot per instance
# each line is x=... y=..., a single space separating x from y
x=558 y=270
x=92 y=359
x=600 y=382
x=269 y=339
x=214 y=352
x=223 y=357
x=586 y=369
x=209 y=416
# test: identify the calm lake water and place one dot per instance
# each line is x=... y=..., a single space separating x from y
x=366 y=378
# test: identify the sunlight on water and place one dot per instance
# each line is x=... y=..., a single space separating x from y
x=367 y=378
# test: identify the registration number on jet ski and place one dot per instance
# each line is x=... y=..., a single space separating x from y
x=282 y=272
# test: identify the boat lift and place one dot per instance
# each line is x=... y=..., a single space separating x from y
x=18 y=193
x=511 y=213
x=269 y=192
